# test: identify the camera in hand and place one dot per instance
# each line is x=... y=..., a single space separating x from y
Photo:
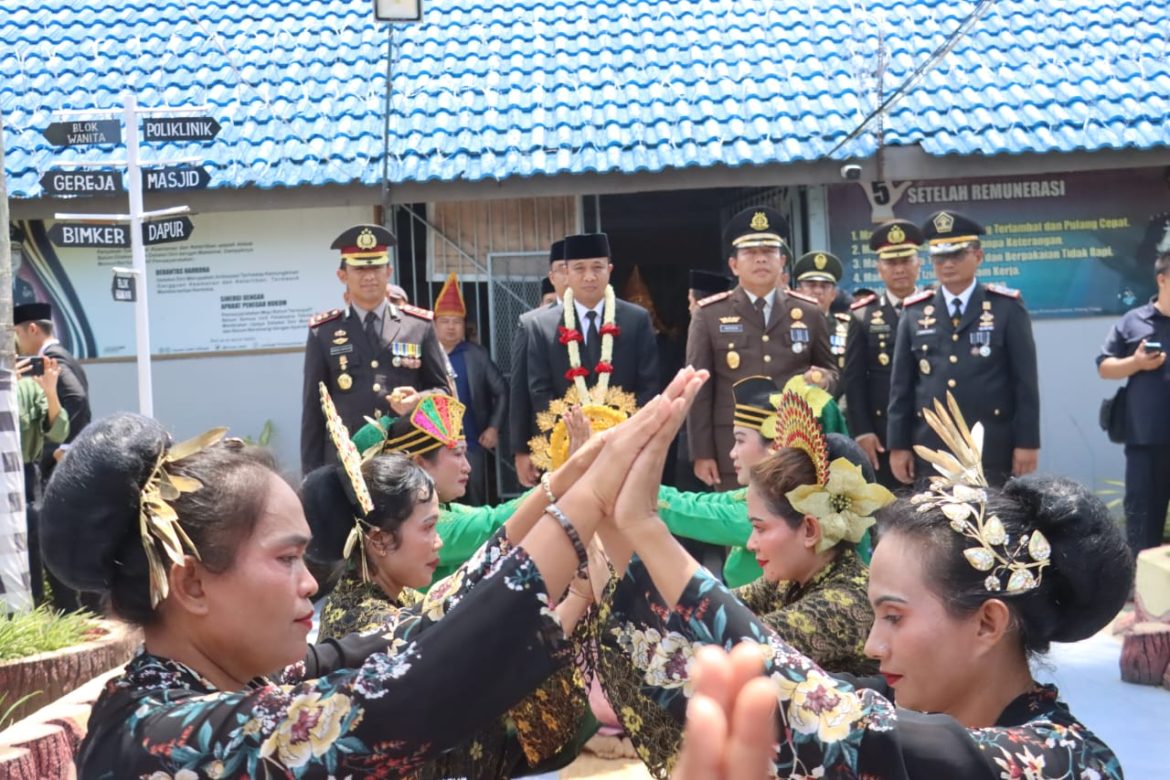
x=36 y=365
x=1154 y=347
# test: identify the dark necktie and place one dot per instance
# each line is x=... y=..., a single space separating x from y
x=373 y=331
x=592 y=339
x=760 y=304
x=956 y=311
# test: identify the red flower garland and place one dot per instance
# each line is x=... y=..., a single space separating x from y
x=566 y=335
x=603 y=368
x=611 y=328
x=573 y=373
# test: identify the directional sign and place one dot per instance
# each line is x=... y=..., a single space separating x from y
x=83 y=234
x=125 y=288
x=175 y=179
x=195 y=128
x=60 y=183
x=101 y=131
x=166 y=231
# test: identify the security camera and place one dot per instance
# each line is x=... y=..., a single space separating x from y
x=851 y=172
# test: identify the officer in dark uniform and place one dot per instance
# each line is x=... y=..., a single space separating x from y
x=757 y=329
x=869 y=348
x=974 y=341
x=817 y=275
x=365 y=351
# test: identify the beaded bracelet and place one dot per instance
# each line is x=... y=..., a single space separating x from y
x=546 y=483
x=554 y=511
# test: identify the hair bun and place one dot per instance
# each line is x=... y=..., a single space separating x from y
x=89 y=513
x=1091 y=570
x=329 y=512
x=841 y=446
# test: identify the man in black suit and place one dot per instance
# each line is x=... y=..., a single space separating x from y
x=520 y=410
x=479 y=384
x=634 y=362
x=365 y=351
x=869 y=347
x=33 y=326
x=974 y=341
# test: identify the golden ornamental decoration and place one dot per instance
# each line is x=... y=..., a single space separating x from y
x=366 y=240
x=820 y=261
x=943 y=222
x=550 y=449
x=960 y=493
x=163 y=537
x=759 y=221
x=896 y=235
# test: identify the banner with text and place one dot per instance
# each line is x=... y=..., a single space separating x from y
x=242 y=281
x=1075 y=244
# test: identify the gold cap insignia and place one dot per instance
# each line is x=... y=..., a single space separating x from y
x=366 y=240
x=820 y=261
x=896 y=235
x=759 y=221
x=943 y=222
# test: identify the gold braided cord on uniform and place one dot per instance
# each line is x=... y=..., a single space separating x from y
x=943 y=240
x=903 y=250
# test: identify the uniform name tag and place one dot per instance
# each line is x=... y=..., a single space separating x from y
x=730 y=327
x=341 y=350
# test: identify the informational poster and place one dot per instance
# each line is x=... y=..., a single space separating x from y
x=242 y=281
x=1075 y=244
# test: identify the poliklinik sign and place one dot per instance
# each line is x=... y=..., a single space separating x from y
x=100 y=131
x=196 y=128
x=68 y=183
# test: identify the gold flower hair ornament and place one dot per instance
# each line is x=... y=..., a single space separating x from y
x=844 y=504
x=551 y=448
x=163 y=537
x=351 y=463
x=960 y=493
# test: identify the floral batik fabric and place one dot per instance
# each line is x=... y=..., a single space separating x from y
x=383 y=719
x=827 y=727
x=533 y=731
x=827 y=619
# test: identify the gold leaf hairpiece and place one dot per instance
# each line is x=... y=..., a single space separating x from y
x=960 y=493
x=351 y=464
x=163 y=537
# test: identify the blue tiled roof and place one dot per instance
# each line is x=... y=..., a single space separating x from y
x=492 y=89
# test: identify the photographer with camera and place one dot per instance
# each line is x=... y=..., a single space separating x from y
x=1134 y=352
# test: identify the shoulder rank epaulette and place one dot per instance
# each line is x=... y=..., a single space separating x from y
x=842 y=316
x=866 y=301
x=716 y=297
x=918 y=297
x=802 y=296
x=1006 y=292
x=422 y=314
x=325 y=316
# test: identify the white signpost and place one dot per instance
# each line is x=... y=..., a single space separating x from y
x=146 y=227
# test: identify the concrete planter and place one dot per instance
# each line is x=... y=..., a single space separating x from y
x=61 y=671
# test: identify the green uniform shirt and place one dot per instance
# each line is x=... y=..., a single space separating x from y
x=35 y=427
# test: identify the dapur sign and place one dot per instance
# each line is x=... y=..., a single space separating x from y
x=179 y=178
x=88 y=132
x=166 y=231
x=196 y=128
x=81 y=183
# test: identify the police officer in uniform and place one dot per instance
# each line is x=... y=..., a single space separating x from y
x=365 y=351
x=975 y=341
x=817 y=275
x=754 y=329
x=869 y=348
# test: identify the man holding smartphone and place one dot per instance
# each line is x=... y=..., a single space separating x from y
x=1134 y=351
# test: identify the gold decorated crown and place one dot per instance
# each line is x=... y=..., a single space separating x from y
x=796 y=425
x=960 y=493
x=550 y=449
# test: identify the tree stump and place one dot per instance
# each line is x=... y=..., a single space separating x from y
x=1145 y=654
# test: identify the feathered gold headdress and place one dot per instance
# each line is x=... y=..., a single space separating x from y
x=163 y=537
x=351 y=463
x=551 y=448
x=960 y=493
x=795 y=425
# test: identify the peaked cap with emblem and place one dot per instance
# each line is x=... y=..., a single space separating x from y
x=949 y=231
x=449 y=301
x=753 y=401
x=818 y=266
x=896 y=239
x=365 y=245
x=756 y=226
x=705 y=283
x=586 y=246
x=556 y=252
